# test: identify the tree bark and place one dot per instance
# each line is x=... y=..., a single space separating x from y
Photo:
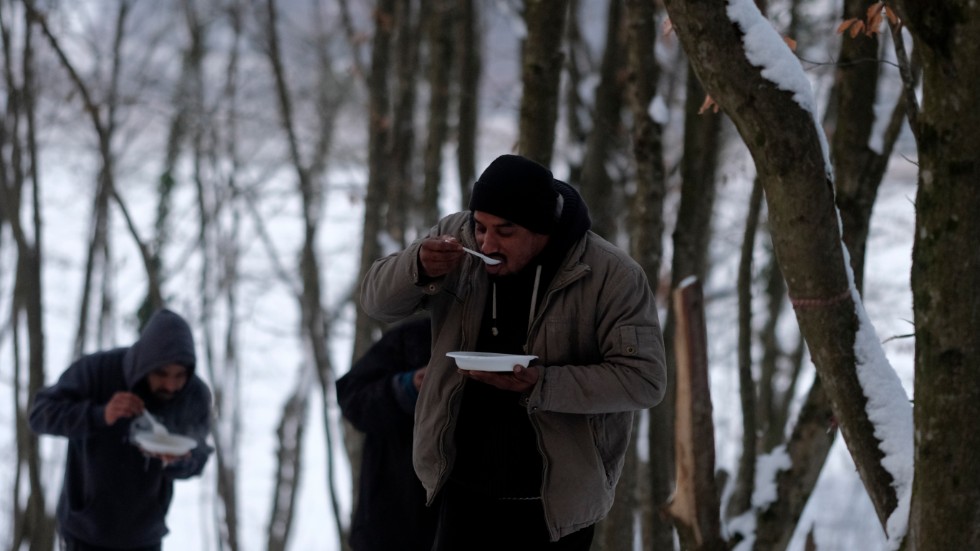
x=807 y=449
x=439 y=32
x=384 y=126
x=741 y=499
x=314 y=323
x=469 y=63
x=646 y=225
x=785 y=142
x=19 y=174
x=402 y=208
x=617 y=530
x=859 y=169
x=103 y=119
x=541 y=64
x=945 y=276
x=646 y=208
x=691 y=237
x=858 y=172
x=601 y=192
x=288 y=465
x=379 y=169
x=221 y=246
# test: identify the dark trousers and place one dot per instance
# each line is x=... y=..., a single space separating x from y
x=469 y=521
x=69 y=543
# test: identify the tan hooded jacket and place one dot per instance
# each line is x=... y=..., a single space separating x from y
x=598 y=342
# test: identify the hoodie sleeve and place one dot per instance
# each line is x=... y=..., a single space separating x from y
x=74 y=407
x=199 y=429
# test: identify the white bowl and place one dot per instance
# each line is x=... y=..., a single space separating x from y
x=167 y=444
x=489 y=361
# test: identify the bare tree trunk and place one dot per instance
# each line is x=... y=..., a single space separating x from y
x=384 y=130
x=859 y=169
x=776 y=363
x=439 y=32
x=288 y=464
x=793 y=169
x=352 y=38
x=601 y=192
x=96 y=260
x=692 y=234
x=469 y=63
x=18 y=175
x=103 y=119
x=945 y=275
x=541 y=64
x=36 y=525
x=577 y=108
x=646 y=208
x=617 y=530
x=741 y=499
x=403 y=186
x=807 y=449
x=379 y=169
x=646 y=224
x=225 y=249
x=314 y=323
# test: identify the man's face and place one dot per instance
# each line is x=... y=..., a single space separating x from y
x=515 y=246
x=166 y=381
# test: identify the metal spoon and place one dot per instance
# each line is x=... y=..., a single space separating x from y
x=481 y=256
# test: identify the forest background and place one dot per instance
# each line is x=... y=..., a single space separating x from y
x=226 y=159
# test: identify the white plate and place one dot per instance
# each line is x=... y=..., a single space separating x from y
x=169 y=444
x=489 y=361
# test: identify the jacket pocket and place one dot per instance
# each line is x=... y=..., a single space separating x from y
x=611 y=433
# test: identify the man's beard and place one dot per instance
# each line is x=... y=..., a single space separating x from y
x=151 y=398
x=162 y=396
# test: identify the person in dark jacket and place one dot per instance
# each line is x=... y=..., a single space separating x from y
x=378 y=397
x=115 y=494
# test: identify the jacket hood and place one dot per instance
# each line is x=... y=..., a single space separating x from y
x=575 y=219
x=166 y=339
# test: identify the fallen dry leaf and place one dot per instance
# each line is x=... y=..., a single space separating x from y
x=857 y=28
x=846 y=24
x=874 y=9
x=709 y=103
x=875 y=17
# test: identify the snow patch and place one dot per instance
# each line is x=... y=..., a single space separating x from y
x=764 y=48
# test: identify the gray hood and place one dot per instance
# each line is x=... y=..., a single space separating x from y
x=166 y=339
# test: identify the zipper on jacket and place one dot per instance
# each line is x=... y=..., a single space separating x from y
x=576 y=273
x=455 y=397
x=447 y=467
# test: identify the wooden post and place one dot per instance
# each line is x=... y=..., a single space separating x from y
x=695 y=506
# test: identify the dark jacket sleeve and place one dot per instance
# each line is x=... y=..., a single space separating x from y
x=74 y=407
x=198 y=427
x=370 y=395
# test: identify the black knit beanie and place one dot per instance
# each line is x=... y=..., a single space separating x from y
x=519 y=190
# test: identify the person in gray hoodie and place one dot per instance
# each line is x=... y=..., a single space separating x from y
x=115 y=494
x=526 y=459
